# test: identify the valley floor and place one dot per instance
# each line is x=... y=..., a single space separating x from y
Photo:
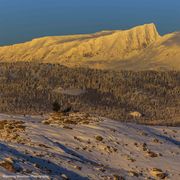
x=99 y=149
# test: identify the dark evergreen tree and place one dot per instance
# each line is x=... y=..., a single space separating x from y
x=56 y=106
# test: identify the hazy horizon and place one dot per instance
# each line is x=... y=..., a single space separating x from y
x=24 y=20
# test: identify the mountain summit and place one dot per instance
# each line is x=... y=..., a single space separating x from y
x=139 y=48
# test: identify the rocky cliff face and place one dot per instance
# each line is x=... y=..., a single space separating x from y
x=102 y=50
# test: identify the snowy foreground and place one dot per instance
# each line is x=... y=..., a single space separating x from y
x=95 y=148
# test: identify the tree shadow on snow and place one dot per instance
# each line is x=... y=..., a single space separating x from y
x=55 y=170
x=155 y=133
x=69 y=151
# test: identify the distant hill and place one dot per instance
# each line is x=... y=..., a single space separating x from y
x=140 y=48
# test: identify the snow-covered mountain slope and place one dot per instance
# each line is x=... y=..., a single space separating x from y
x=102 y=45
x=139 y=48
x=81 y=146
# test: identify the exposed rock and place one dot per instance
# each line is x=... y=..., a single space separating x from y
x=77 y=167
x=158 y=173
x=99 y=138
x=131 y=159
x=65 y=120
x=144 y=134
x=152 y=154
x=8 y=164
x=117 y=177
x=64 y=177
x=133 y=173
x=100 y=169
x=135 y=114
x=156 y=140
x=11 y=131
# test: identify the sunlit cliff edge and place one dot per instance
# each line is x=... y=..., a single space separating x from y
x=139 y=48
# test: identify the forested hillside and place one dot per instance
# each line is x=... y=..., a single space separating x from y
x=32 y=88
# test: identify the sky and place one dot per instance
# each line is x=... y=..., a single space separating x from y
x=23 y=20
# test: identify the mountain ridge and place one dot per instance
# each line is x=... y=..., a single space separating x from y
x=138 y=48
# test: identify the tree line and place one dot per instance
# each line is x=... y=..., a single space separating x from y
x=33 y=88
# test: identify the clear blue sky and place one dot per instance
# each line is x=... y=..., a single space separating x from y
x=22 y=20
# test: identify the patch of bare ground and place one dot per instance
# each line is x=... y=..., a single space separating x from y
x=158 y=173
x=66 y=119
x=12 y=131
x=9 y=164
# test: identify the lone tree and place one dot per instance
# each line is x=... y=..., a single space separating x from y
x=56 y=106
x=67 y=110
